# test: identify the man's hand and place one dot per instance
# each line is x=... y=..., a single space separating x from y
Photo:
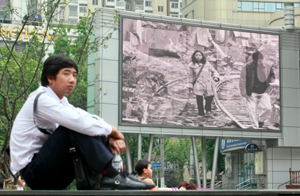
x=118 y=145
x=116 y=139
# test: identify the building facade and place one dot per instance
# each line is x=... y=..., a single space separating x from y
x=263 y=13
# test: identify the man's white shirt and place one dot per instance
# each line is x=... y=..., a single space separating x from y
x=26 y=139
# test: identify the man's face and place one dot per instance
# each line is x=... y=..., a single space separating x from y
x=64 y=83
x=260 y=61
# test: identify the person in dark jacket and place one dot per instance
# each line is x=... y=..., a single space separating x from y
x=255 y=79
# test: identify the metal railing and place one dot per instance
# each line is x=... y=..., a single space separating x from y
x=288 y=182
x=247 y=184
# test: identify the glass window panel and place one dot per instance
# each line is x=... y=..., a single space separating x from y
x=239 y=5
x=278 y=5
x=255 y=4
x=139 y=2
x=270 y=7
x=73 y=10
x=262 y=5
x=82 y=9
x=174 y=5
x=296 y=4
x=73 y=21
x=149 y=3
x=160 y=8
x=247 y=6
x=95 y=2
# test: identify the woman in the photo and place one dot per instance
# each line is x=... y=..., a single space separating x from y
x=202 y=75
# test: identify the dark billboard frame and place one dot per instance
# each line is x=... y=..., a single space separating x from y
x=209 y=26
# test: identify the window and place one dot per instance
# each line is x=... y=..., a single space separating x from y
x=255 y=6
x=279 y=6
x=174 y=15
x=95 y=2
x=247 y=6
x=259 y=6
x=160 y=8
x=139 y=2
x=148 y=3
x=73 y=11
x=239 y=5
x=174 y=5
x=110 y=0
x=270 y=7
x=3 y=15
x=82 y=9
x=296 y=4
x=62 y=13
x=73 y=21
x=127 y=6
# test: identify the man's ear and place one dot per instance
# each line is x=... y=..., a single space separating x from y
x=50 y=79
x=145 y=170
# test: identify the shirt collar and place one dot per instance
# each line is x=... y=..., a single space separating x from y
x=64 y=100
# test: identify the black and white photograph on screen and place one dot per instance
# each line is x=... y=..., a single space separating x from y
x=189 y=76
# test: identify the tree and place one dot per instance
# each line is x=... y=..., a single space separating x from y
x=210 y=146
x=20 y=70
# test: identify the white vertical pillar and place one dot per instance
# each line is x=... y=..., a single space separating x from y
x=214 y=166
x=203 y=143
x=139 y=152
x=196 y=162
x=162 y=159
x=150 y=147
x=127 y=154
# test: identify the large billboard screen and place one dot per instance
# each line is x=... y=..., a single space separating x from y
x=176 y=75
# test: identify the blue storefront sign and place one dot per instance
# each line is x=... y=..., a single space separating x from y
x=251 y=148
x=156 y=165
x=227 y=145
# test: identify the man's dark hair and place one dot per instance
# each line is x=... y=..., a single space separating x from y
x=203 y=60
x=141 y=165
x=257 y=55
x=53 y=64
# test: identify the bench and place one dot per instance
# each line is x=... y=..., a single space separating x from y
x=294 y=180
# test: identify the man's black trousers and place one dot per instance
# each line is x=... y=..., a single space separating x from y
x=52 y=167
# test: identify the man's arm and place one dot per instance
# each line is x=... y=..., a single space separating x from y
x=116 y=140
x=76 y=119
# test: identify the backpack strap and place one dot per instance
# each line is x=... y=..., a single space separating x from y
x=34 y=113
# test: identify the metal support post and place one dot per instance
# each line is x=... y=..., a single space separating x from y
x=162 y=158
x=150 y=147
x=214 y=166
x=127 y=154
x=196 y=164
x=204 y=162
x=139 y=152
